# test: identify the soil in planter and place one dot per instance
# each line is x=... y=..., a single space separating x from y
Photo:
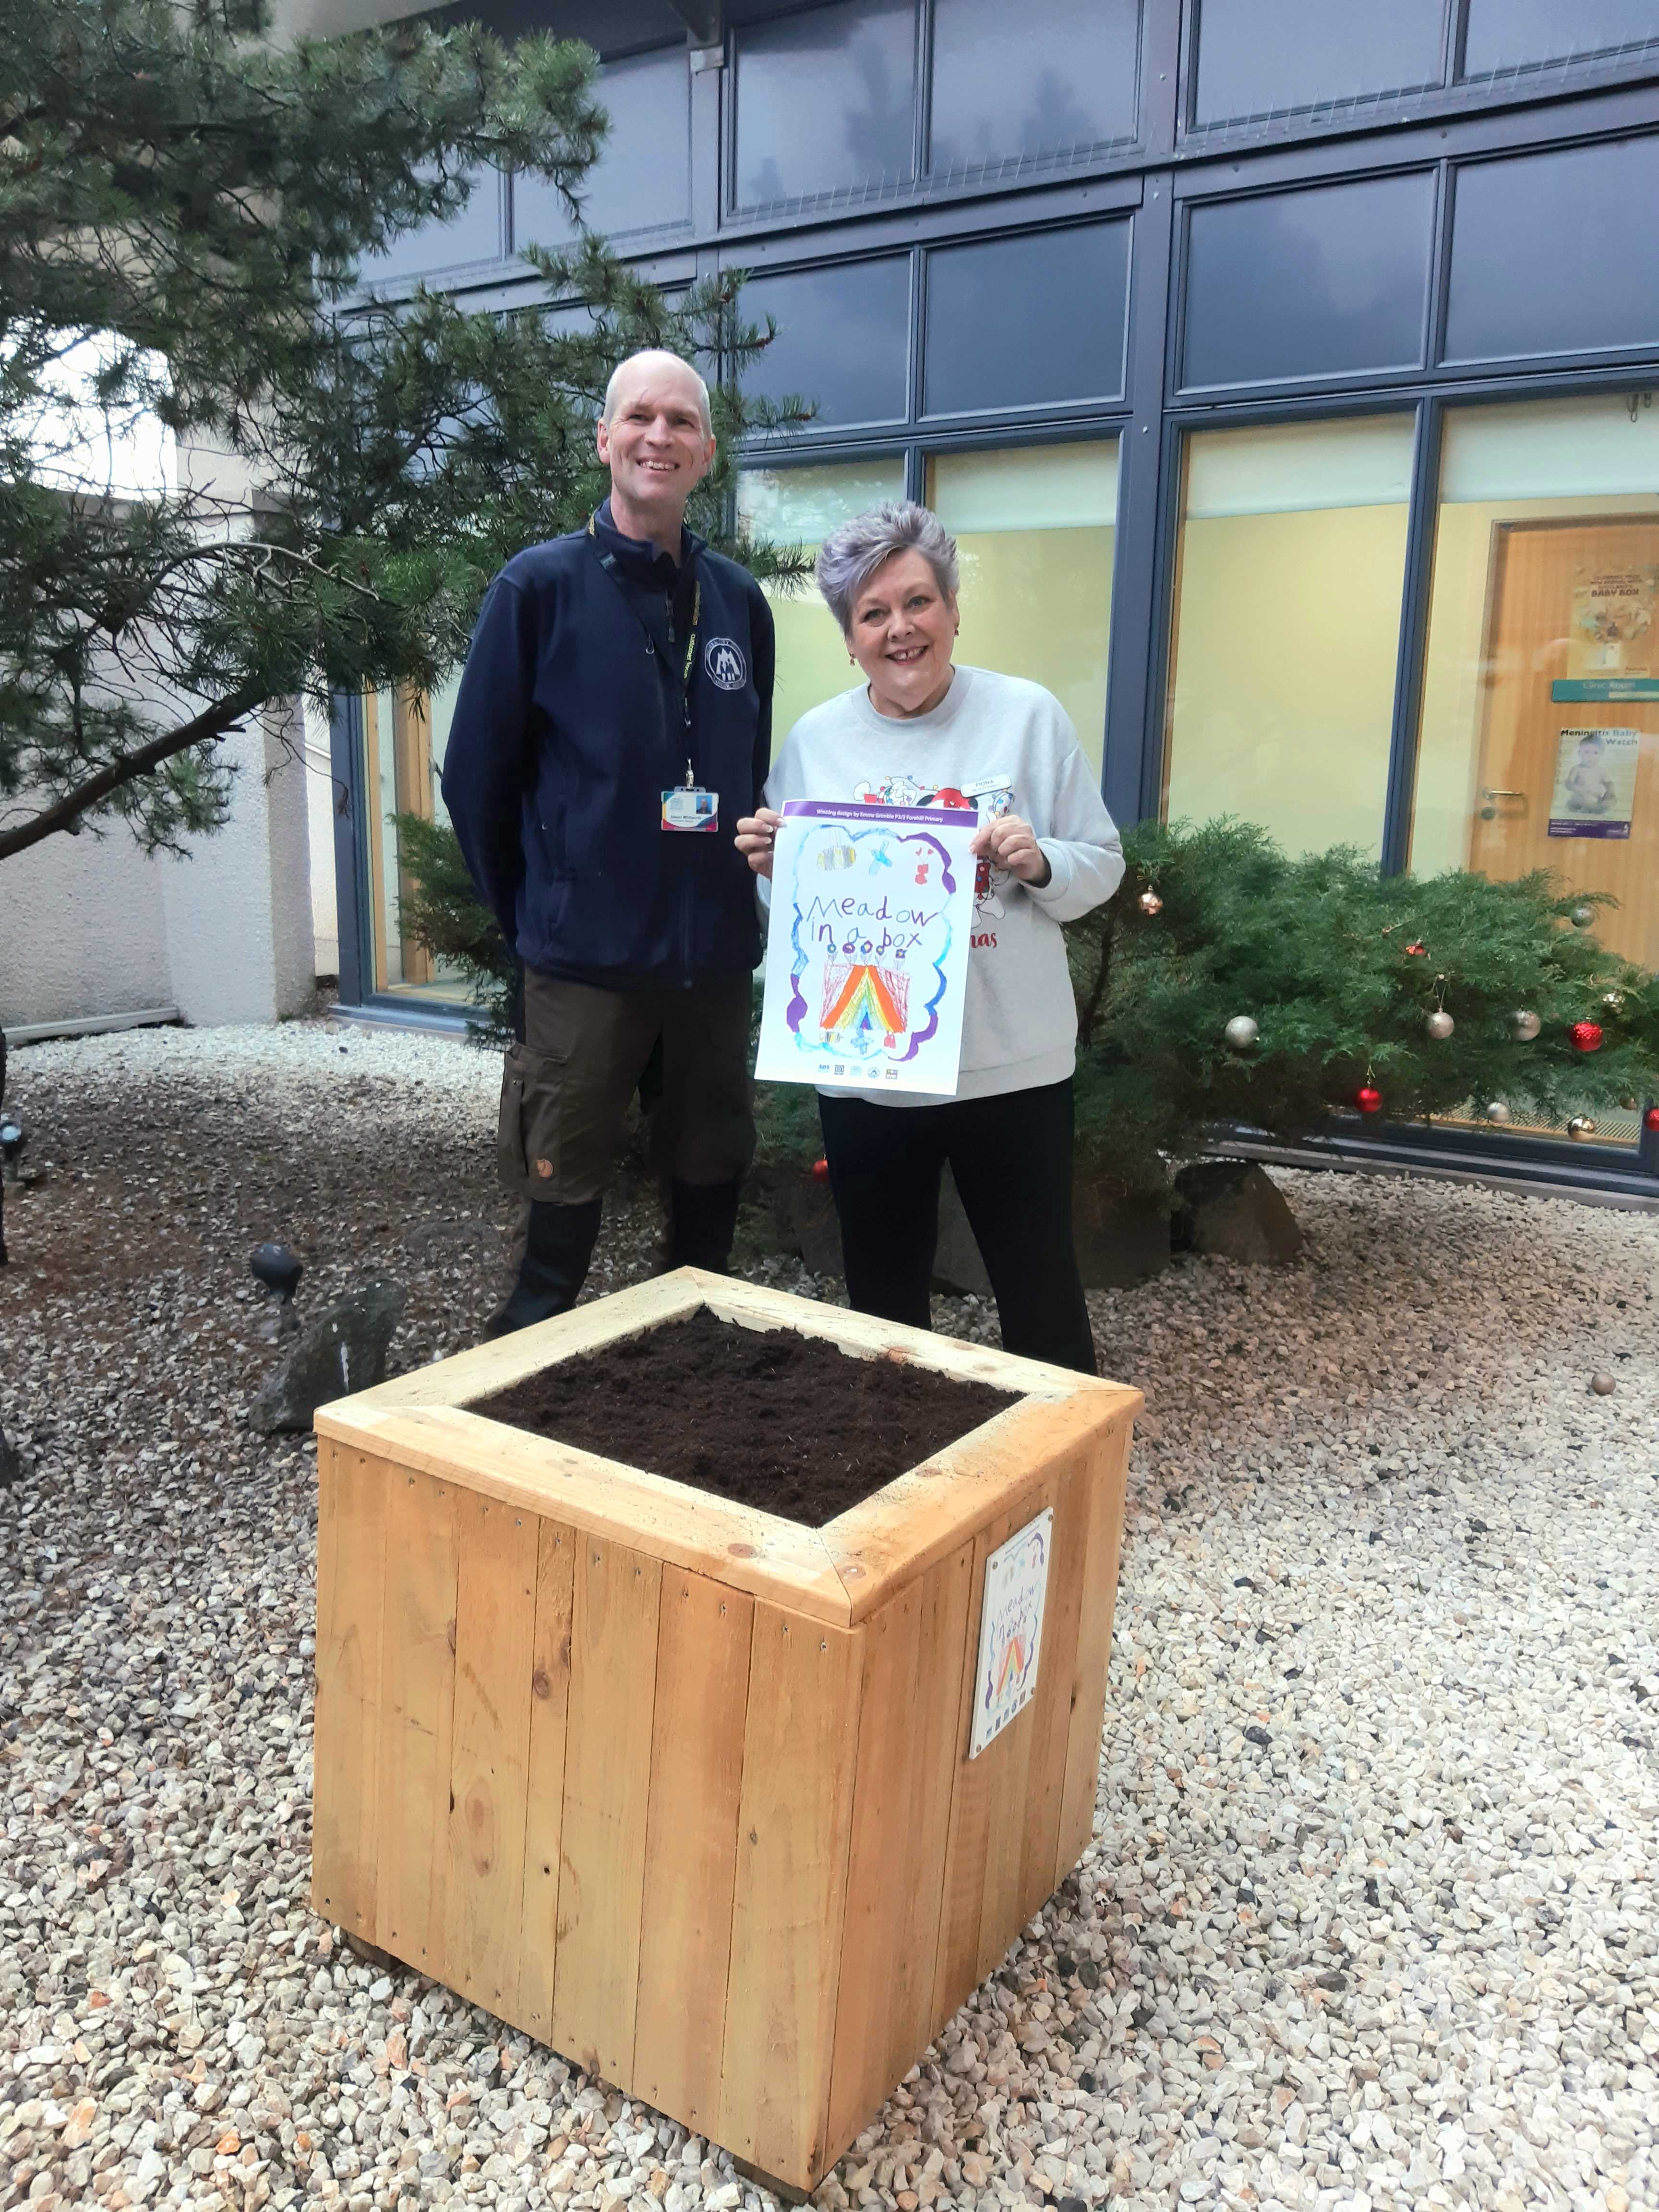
x=768 y=1418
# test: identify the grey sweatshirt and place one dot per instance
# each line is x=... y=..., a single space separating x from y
x=1005 y=747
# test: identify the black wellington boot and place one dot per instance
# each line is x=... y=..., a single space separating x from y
x=703 y=1219
x=559 y=1246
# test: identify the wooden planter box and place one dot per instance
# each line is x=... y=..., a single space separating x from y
x=680 y=1787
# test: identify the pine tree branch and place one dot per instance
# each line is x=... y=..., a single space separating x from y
x=213 y=722
x=1108 y=931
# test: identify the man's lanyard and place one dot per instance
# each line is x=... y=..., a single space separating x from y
x=608 y=562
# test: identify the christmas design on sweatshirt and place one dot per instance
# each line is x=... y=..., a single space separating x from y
x=991 y=797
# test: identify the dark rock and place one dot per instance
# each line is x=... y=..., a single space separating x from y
x=11 y=1462
x=337 y=1351
x=1258 y=1736
x=958 y=1270
x=1120 y=1238
x=1089 y=1974
x=1233 y=1210
x=804 y=1214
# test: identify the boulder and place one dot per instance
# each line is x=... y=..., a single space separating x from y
x=341 y=1350
x=805 y=1215
x=11 y=1462
x=958 y=1270
x=1233 y=1210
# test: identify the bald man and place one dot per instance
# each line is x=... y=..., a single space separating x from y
x=613 y=724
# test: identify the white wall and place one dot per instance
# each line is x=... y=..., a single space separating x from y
x=89 y=926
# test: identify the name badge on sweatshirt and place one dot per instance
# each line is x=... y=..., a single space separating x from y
x=689 y=807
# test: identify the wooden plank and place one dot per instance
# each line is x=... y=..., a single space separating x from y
x=868 y=1336
x=979 y=1806
x=351 y=1489
x=945 y=1596
x=550 y=1700
x=417 y=1680
x=800 y=1748
x=923 y=1517
x=685 y=1528
x=494 y=1633
x=703 y=1638
x=484 y=1368
x=1094 y=1651
x=607 y=1777
x=883 y=1868
x=1051 y=1704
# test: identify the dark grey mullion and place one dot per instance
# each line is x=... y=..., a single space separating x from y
x=922 y=140
x=1158 y=113
x=1458 y=43
x=352 y=919
x=1434 y=335
x=916 y=368
x=1422 y=516
x=1139 y=588
x=1190 y=32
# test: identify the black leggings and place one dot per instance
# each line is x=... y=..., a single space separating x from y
x=1011 y=1159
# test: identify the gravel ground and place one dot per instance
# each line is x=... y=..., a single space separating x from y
x=1370 y=1917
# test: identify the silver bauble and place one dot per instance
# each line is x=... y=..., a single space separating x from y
x=1580 y=1128
x=1613 y=1001
x=1440 y=1025
x=1498 y=1111
x=1524 y=1024
x=1243 y=1031
x=1583 y=917
x=1150 y=903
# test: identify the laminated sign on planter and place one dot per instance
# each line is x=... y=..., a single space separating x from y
x=867 y=959
x=1010 y=1629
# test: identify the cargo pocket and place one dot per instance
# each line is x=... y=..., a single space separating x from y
x=527 y=1131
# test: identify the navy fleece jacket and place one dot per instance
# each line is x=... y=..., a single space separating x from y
x=568 y=729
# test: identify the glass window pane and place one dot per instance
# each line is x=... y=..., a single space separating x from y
x=826 y=103
x=1025 y=322
x=843 y=339
x=1011 y=87
x=1035 y=529
x=643 y=178
x=1265 y=56
x=1307 y=283
x=1512 y=34
x=405 y=736
x=1555 y=254
x=1292 y=557
x=1539 y=744
x=801 y=506
x=474 y=234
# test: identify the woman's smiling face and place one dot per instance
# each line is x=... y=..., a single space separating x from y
x=903 y=632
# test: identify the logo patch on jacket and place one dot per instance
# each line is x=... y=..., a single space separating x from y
x=723 y=660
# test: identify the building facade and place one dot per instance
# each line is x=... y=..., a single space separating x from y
x=1284 y=371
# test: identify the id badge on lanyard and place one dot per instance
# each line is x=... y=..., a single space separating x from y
x=688 y=806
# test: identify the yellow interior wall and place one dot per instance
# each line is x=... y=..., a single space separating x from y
x=1035 y=603
x=1283 y=691
x=1039 y=604
x=1448 y=744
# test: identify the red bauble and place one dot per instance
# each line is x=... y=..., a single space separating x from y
x=1417 y=950
x=1651 y=1119
x=820 y=1170
x=1586 y=1037
x=1368 y=1100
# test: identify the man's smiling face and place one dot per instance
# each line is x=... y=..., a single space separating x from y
x=654 y=443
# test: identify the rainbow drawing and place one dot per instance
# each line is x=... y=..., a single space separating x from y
x=862 y=999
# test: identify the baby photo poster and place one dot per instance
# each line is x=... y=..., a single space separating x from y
x=867 y=957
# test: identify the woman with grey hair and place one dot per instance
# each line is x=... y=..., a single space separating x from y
x=920 y=732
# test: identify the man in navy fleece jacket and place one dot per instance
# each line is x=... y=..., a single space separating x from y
x=613 y=724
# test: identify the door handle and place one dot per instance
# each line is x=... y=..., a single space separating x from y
x=1489 y=812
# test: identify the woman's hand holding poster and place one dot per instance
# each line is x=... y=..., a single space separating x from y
x=866 y=958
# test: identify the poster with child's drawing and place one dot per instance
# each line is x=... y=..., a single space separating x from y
x=866 y=958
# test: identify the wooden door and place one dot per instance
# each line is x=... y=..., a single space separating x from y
x=1573 y=606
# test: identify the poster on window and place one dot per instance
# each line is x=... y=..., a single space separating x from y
x=1595 y=793
x=1613 y=631
x=867 y=956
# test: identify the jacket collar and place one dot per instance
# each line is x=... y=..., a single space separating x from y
x=638 y=559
